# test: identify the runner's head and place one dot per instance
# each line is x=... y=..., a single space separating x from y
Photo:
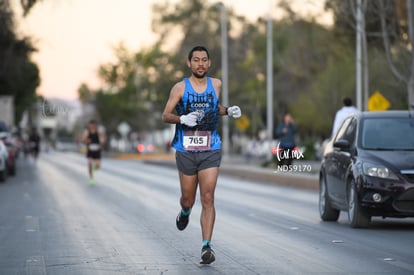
x=199 y=61
x=92 y=125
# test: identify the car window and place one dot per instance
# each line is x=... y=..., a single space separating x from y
x=388 y=133
x=342 y=131
x=350 y=132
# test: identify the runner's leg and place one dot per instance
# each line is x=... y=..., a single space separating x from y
x=97 y=164
x=90 y=164
x=208 y=181
x=188 y=185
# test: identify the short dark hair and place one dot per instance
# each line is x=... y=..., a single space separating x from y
x=347 y=101
x=198 y=49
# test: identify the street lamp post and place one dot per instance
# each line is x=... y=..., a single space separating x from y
x=224 y=68
x=358 y=57
x=269 y=71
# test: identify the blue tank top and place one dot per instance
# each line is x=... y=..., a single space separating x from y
x=207 y=104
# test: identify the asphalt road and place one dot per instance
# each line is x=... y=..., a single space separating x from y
x=53 y=222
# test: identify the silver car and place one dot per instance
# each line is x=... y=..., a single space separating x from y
x=4 y=156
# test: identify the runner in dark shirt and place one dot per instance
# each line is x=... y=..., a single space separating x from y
x=94 y=141
x=34 y=143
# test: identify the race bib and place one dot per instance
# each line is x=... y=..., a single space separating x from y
x=93 y=147
x=197 y=140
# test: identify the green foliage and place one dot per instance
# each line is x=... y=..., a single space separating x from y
x=19 y=76
x=315 y=108
x=84 y=93
x=345 y=23
x=310 y=150
x=26 y=83
x=134 y=88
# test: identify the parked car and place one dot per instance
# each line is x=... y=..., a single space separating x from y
x=12 y=150
x=11 y=145
x=367 y=169
x=4 y=156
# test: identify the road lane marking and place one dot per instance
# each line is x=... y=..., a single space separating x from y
x=31 y=224
x=396 y=263
x=35 y=265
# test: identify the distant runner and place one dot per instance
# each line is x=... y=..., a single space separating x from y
x=94 y=141
x=34 y=143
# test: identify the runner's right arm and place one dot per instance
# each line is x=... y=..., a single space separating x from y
x=176 y=94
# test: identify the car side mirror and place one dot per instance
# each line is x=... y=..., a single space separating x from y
x=342 y=144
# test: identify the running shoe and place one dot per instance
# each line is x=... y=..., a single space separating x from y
x=207 y=255
x=91 y=181
x=182 y=221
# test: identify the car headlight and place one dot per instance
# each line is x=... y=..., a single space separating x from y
x=379 y=171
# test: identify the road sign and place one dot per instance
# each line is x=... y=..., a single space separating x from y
x=124 y=128
x=242 y=123
x=377 y=102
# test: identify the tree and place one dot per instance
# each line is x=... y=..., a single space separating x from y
x=27 y=5
x=119 y=93
x=332 y=78
x=398 y=37
x=387 y=28
x=19 y=76
x=133 y=88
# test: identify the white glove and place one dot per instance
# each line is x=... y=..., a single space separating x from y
x=189 y=119
x=234 y=111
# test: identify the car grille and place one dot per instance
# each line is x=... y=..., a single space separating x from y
x=405 y=202
x=408 y=174
x=410 y=177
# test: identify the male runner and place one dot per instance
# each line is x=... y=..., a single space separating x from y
x=194 y=107
x=94 y=141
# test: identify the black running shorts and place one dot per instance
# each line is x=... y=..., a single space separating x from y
x=93 y=154
x=191 y=162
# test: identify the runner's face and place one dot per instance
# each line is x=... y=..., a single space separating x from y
x=199 y=64
x=92 y=127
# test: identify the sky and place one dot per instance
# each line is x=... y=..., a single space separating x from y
x=74 y=37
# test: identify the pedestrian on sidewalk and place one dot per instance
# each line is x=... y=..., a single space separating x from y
x=286 y=132
x=193 y=106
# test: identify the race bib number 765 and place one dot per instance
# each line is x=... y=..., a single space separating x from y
x=197 y=140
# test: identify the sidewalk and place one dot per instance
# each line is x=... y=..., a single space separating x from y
x=302 y=174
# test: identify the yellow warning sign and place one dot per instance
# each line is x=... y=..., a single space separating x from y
x=242 y=123
x=377 y=102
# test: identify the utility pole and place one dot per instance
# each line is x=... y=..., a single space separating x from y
x=225 y=77
x=269 y=72
x=359 y=57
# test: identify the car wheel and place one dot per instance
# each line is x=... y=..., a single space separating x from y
x=356 y=216
x=326 y=211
